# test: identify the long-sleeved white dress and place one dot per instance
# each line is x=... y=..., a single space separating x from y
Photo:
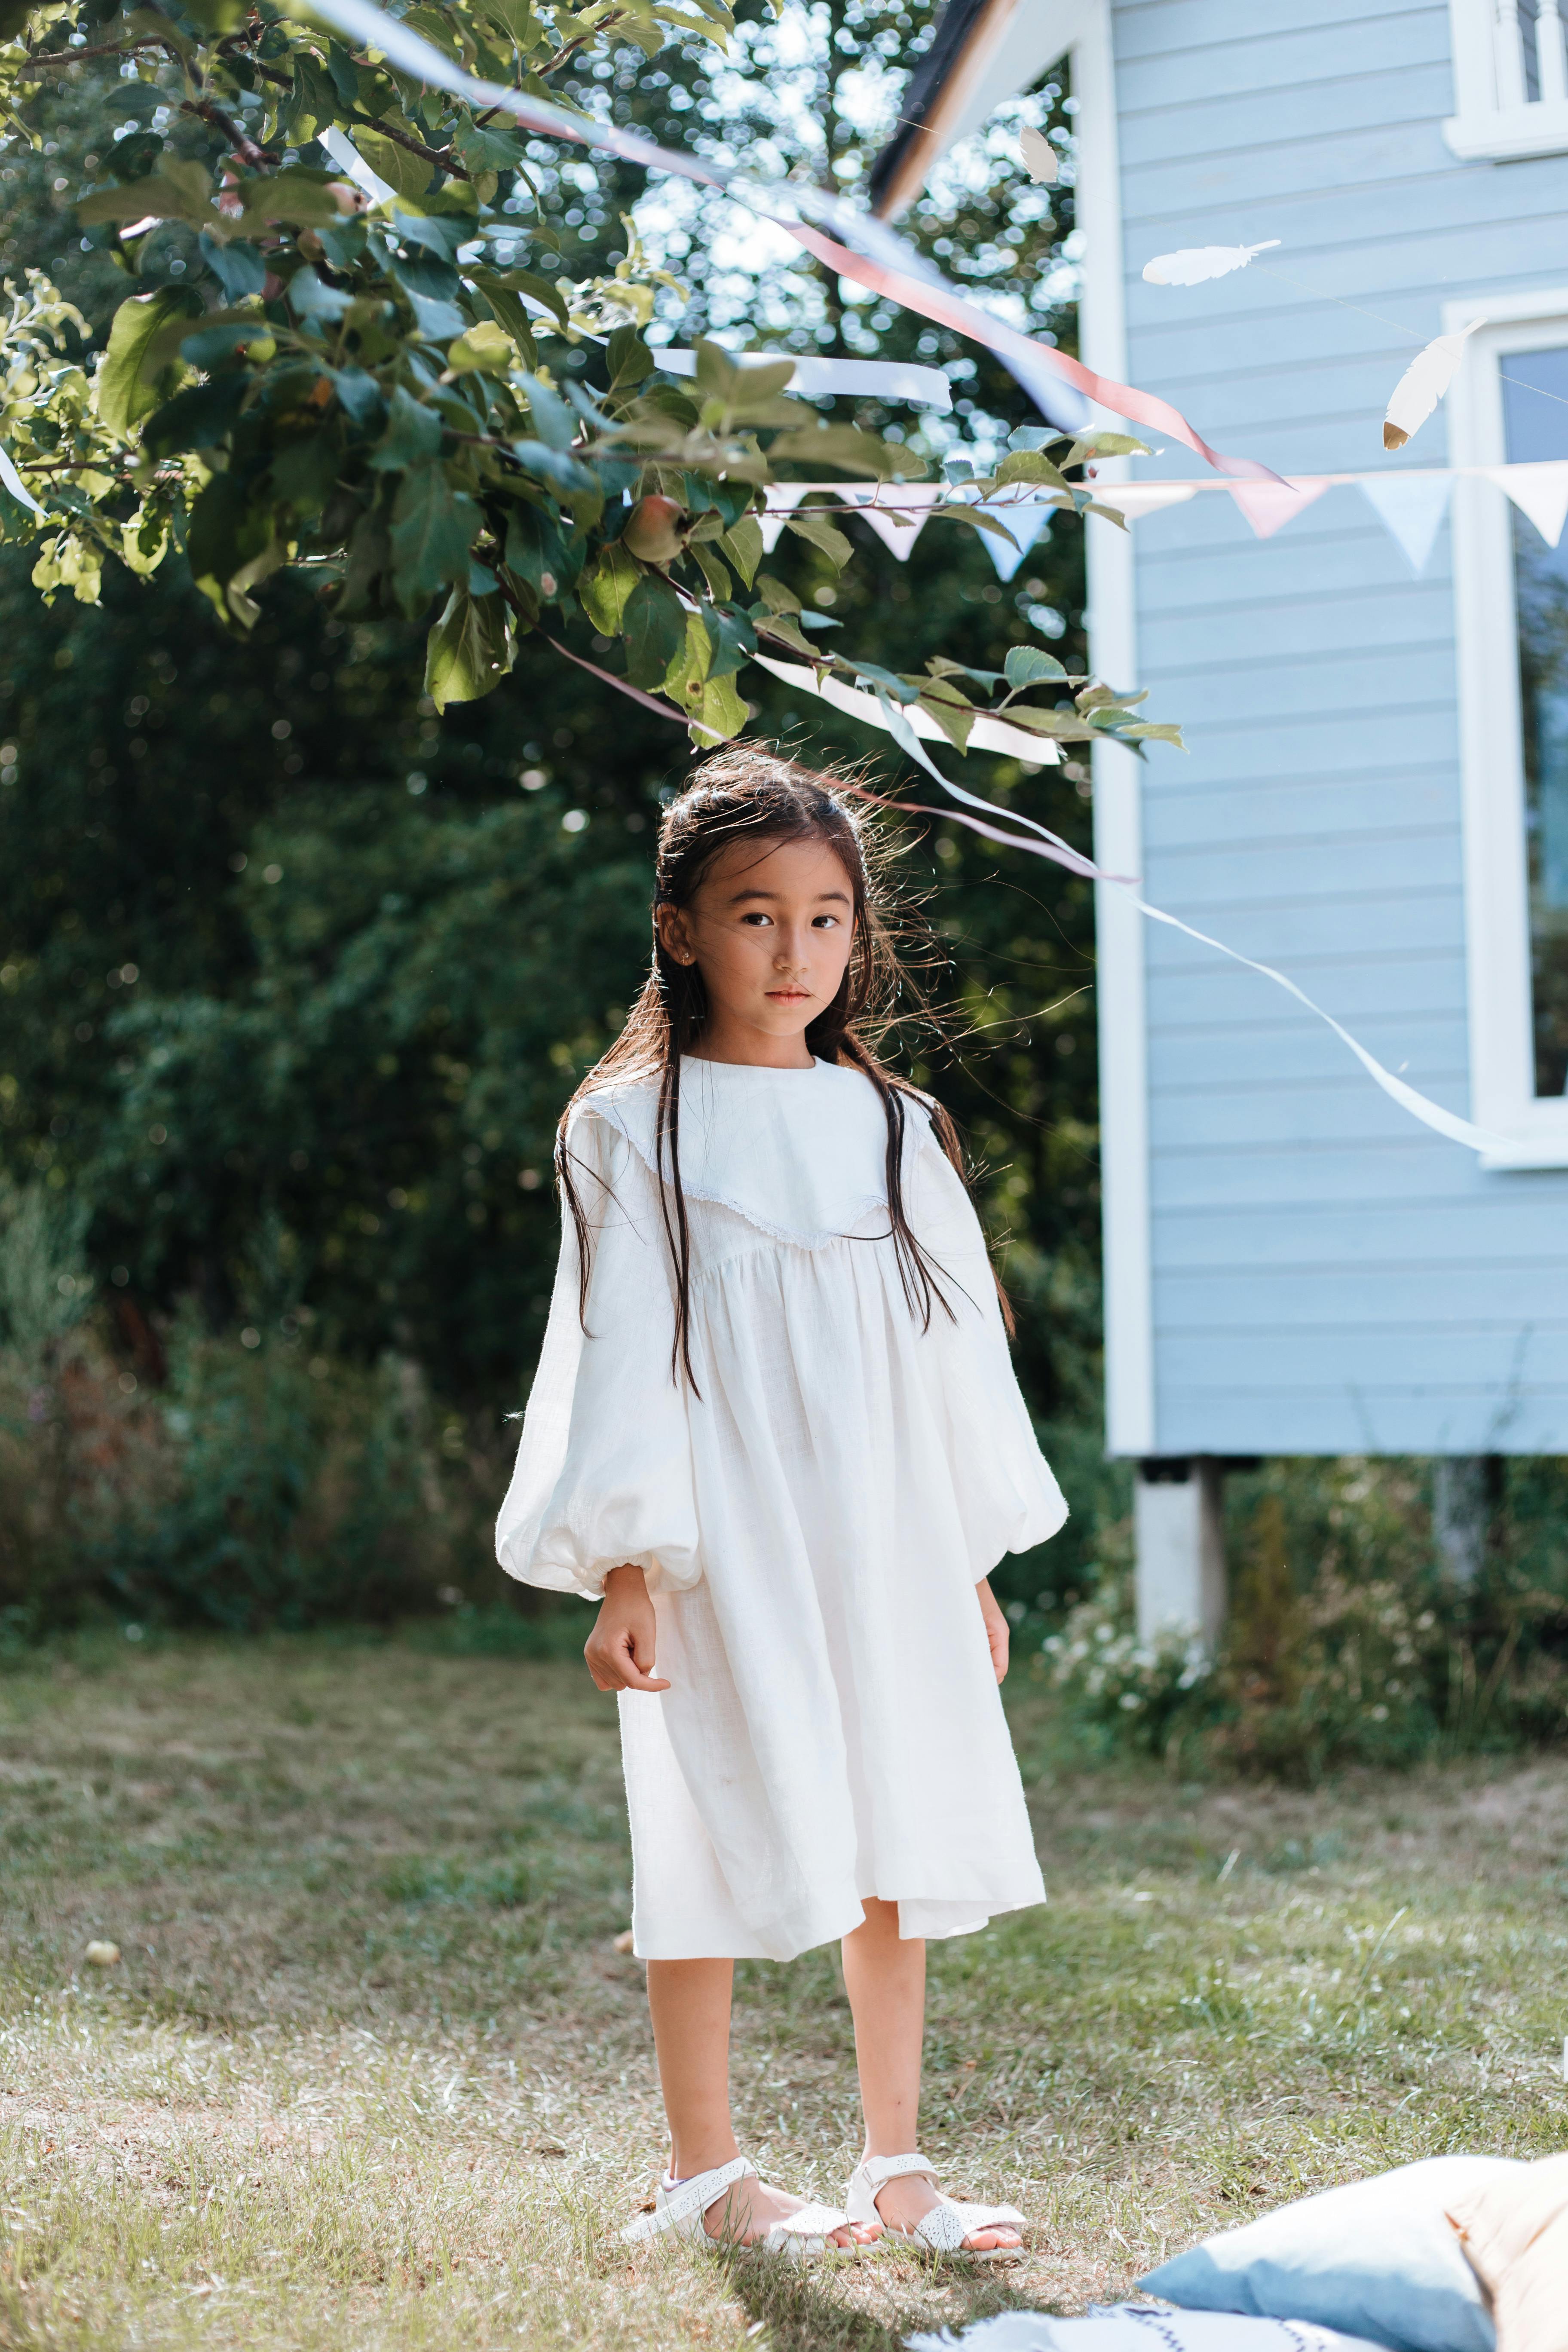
x=812 y=1522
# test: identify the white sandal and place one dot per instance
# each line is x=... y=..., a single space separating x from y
x=802 y=2237
x=944 y=2230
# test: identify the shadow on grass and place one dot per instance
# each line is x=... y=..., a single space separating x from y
x=794 y=2312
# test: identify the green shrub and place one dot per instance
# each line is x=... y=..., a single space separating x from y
x=1345 y=1642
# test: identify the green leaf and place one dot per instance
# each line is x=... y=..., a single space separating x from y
x=782 y=625
x=524 y=282
x=689 y=665
x=775 y=595
x=721 y=716
x=159 y=196
x=605 y=591
x=125 y=396
x=628 y=359
x=846 y=447
x=1026 y=665
x=1028 y=465
x=553 y=422
x=537 y=552
x=718 y=581
x=954 y=717
x=197 y=419
x=412 y=435
x=433 y=527
x=406 y=174
x=654 y=625
x=486 y=346
x=811 y=525
x=224 y=538
x=563 y=474
x=302 y=198
x=899 y=689
x=733 y=639
x=238 y=268
x=468 y=651
x=742 y=546
x=428 y=286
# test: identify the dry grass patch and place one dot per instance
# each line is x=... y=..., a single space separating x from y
x=370 y=2071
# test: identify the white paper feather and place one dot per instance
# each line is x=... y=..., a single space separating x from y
x=1422 y=384
x=1196 y=262
x=1040 y=158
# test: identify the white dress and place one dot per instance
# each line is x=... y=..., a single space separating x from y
x=812 y=1522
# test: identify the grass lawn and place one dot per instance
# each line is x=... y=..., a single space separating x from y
x=370 y=2071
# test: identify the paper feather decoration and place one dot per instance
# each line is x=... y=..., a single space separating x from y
x=1196 y=262
x=1422 y=384
x=1040 y=158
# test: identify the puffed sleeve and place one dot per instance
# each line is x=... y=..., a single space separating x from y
x=1008 y=1497
x=604 y=1469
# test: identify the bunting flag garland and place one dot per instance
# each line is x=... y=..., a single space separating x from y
x=1409 y=502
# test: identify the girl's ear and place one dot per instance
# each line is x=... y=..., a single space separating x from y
x=675 y=933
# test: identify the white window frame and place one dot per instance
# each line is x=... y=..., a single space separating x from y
x=1491 y=738
x=1493 y=120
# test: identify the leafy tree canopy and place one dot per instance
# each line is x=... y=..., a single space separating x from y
x=380 y=393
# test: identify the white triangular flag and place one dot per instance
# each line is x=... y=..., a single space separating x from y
x=1411 y=507
x=782 y=499
x=1025 y=518
x=1194 y=263
x=1132 y=500
x=1269 y=505
x=1540 y=491
x=887 y=509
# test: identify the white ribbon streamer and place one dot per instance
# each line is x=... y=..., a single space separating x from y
x=347 y=158
x=18 y=487
x=902 y=725
x=815 y=379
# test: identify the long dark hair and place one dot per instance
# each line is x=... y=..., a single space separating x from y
x=746 y=794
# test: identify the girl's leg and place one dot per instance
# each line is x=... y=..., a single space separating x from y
x=885 y=1977
x=689 y=2001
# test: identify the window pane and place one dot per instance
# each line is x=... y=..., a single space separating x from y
x=1535 y=411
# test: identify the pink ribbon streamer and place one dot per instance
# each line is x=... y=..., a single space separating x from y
x=890 y=275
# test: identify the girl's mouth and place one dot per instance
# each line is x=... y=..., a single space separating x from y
x=787 y=995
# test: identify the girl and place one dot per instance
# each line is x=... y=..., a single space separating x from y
x=775 y=1433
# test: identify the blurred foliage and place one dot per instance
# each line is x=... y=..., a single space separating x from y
x=1347 y=1643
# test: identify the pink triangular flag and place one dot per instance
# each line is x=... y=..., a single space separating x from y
x=1540 y=491
x=1269 y=505
x=897 y=528
x=783 y=497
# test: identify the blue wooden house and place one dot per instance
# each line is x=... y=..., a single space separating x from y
x=1376 y=795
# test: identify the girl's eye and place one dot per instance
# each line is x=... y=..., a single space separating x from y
x=828 y=922
x=757 y=918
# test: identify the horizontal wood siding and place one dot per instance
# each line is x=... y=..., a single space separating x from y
x=1327 y=1276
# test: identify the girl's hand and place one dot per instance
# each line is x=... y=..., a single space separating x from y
x=619 y=1650
x=997 y=1630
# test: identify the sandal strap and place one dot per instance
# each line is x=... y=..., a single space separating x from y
x=880 y=2170
x=681 y=2208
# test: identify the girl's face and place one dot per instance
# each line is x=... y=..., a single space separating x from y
x=770 y=928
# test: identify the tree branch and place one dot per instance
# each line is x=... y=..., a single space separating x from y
x=56 y=60
x=244 y=148
x=441 y=157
